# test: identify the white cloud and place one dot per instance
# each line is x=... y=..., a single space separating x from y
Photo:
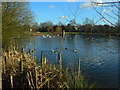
x=86 y=4
x=104 y=20
x=110 y=10
x=63 y=17
x=89 y=3
x=104 y=11
x=99 y=1
x=52 y=6
x=70 y=0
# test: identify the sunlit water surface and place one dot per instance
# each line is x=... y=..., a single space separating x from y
x=98 y=55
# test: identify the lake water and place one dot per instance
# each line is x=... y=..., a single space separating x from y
x=98 y=55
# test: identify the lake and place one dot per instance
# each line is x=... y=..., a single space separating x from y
x=98 y=55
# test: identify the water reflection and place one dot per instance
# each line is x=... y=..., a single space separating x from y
x=97 y=64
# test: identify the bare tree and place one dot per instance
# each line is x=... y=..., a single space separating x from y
x=114 y=4
x=73 y=15
x=104 y=16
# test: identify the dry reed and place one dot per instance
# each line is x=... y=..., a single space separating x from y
x=21 y=71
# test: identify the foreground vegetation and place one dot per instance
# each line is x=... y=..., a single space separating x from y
x=20 y=70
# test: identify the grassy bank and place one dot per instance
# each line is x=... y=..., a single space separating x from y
x=42 y=33
x=101 y=34
x=20 y=70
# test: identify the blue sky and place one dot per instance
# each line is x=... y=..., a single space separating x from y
x=58 y=11
x=69 y=0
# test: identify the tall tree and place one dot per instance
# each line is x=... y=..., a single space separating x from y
x=15 y=17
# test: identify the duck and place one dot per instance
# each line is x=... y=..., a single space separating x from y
x=44 y=36
x=49 y=36
x=33 y=50
x=59 y=51
x=52 y=51
x=63 y=48
x=75 y=50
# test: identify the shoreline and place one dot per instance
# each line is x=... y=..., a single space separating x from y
x=73 y=33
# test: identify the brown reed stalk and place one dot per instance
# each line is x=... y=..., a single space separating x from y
x=60 y=62
x=31 y=79
x=36 y=77
x=29 y=82
x=54 y=67
x=41 y=76
x=11 y=80
x=29 y=51
x=22 y=50
x=5 y=66
x=21 y=66
x=46 y=81
x=78 y=67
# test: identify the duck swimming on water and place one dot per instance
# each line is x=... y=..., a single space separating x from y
x=75 y=50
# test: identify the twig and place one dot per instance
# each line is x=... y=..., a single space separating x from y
x=46 y=81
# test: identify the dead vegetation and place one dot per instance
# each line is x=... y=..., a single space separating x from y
x=21 y=71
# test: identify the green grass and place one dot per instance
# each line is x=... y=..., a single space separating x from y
x=83 y=33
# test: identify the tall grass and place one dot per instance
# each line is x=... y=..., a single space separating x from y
x=20 y=70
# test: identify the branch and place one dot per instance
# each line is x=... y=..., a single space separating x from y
x=101 y=14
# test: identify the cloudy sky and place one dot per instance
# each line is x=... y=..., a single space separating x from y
x=60 y=11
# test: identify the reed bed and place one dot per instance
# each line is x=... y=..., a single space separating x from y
x=20 y=70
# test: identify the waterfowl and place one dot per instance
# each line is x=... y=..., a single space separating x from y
x=49 y=36
x=52 y=51
x=74 y=50
x=44 y=36
x=33 y=50
x=58 y=50
x=65 y=48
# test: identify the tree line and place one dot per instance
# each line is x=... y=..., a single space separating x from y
x=87 y=27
